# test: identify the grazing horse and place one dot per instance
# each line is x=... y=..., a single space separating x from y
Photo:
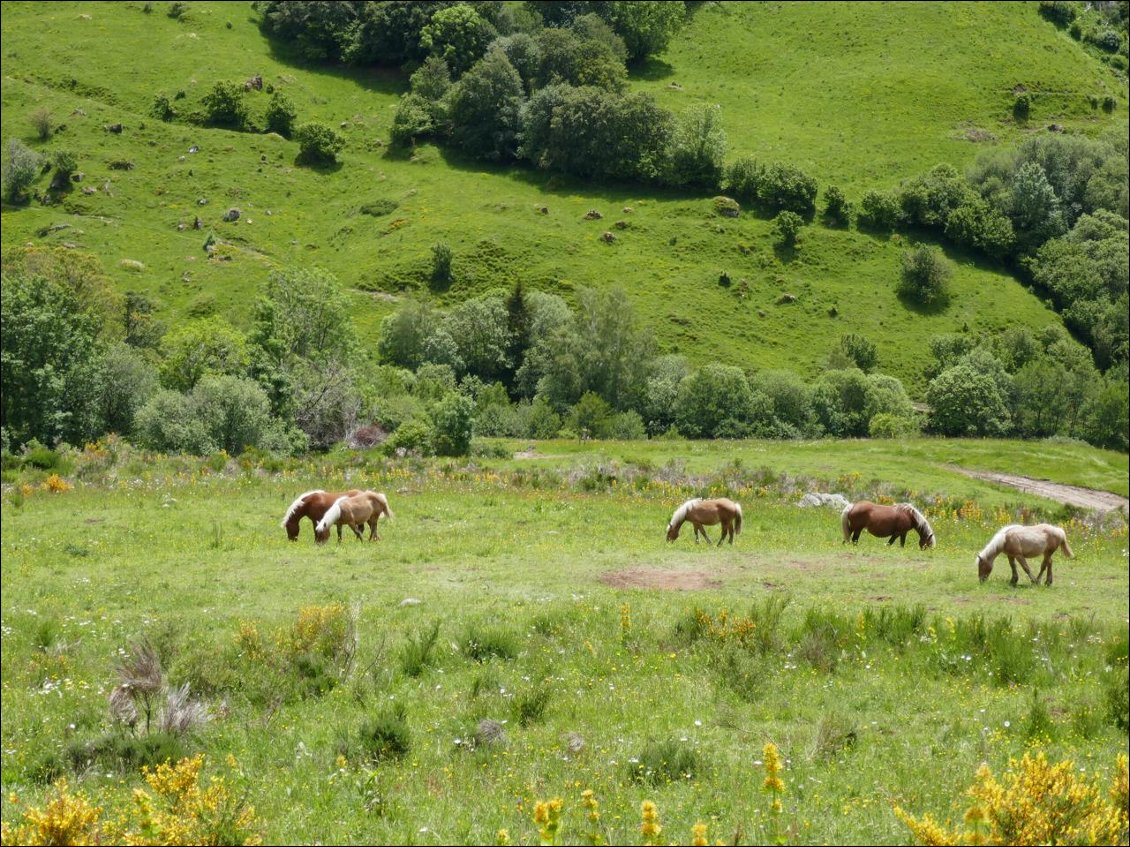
x=366 y=507
x=312 y=505
x=1018 y=542
x=707 y=513
x=882 y=521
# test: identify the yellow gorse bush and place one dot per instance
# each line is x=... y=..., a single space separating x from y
x=178 y=811
x=1038 y=803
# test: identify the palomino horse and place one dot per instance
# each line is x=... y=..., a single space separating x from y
x=882 y=521
x=366 y=507
x=1018 y=542
x=707 y=513
x=312 y=505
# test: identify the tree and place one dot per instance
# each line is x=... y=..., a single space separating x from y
x=925 y=276
x=402 y=334
x=860 y=351
x=454 y=425
x=565 y=57
x=837 y=209
x=964 y=401
x=21 y=167
x=645 y=25
x=199 y=347
x=716 y=401
x=698 y=148
x=458 y=35
x=484 y=109
x=480 y=328
x=843 y=401
x=49 y=362
x=128 y=380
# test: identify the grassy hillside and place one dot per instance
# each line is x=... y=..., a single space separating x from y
x=861 y=95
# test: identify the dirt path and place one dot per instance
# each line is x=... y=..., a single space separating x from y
x=1103 y=501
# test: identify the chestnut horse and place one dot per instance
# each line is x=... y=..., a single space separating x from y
x=1018 y=542
x=707 y=513
x=882 y=521
x=312 y=505
x=366 y=507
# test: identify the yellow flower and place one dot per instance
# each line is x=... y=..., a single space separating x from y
x=698 y=835
x=649 y=826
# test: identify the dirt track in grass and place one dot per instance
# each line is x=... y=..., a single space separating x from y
x=1087 y=498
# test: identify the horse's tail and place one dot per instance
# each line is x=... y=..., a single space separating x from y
x=330 y=517
x=738 y=518
x=384 y=503
x=1066 y=549
x=845 y=522
x=296 y=505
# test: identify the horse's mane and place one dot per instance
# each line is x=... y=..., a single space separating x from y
x=296 y=504
x=681 y=512
x=996 y=543
x=332 y=514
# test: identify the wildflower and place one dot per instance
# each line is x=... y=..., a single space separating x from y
x=547 y=815
x=649 y=826
x=502 y=837
x=698 y=835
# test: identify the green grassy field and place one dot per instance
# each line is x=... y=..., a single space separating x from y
x=861 y=95
x=884 y=675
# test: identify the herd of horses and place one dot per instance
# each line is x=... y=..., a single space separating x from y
x=356 y=508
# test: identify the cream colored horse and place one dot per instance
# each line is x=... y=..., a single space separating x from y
x=707 y=513
x=1019 y=542
x=366 y=507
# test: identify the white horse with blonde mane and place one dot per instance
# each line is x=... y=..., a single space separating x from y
x=1018 y=542
x=366 y=507
x=707 y=513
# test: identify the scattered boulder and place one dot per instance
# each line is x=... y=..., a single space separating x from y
x=122 y=165
x=593 y=215
x=409 y=601
x=608 y=237
x=114 y=128
x=815 y=499
x=786 y=298
x=231 y=215
x=256 y=82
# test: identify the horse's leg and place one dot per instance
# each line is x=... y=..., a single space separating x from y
x=855 y=535
x=891 y=540
x=1015 y=573
x=902 y=540
x=1027 y=569
x=357 y=531
x=1046 y=566
x=339 y=533
x=725 y=529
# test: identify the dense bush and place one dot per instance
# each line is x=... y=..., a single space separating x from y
x=318 y=143
x=21 y=167
x=776 y=187
x=281 y=115
x=225 y=106
x=880 y=211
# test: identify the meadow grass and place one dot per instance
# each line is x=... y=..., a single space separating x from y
x=893 y=92
x=884 y=675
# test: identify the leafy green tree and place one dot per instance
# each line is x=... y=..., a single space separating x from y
x=658 y=405
x=976 y=223
x=480 y=328
x=484 y=109
x=414 y=120
x=698 y=148
x=49 y=360
x=965 y=401
x=454 y=425
x=524 y=54
x=646 y=26
x=716 y=401
x=925 y=276
x=860 y=351
x=843 y=401
x=592 y=27
x=1034 y=207
x=402 y=334
x=318 y=143
x=304 y=313
x=791 y=404
x=21 y=167
x=837 y=209
x=235 y=413
x=200 y=347
x=386 y=33
x=128 y=380
x=168 y=423
x=588 y=415
x=1108 y=421
x=565 y=57
x=442 y=256
x=879 y=210
x=459 y=35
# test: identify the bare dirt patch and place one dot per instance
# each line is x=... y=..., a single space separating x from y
x=663 y=580
x=1087 y=498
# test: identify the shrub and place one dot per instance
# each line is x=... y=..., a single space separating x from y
x=788 y=225
x=41 y=123
x=224 y=106
x=727 y=207
x=879 y=211
x=21 y=166
x=162 y=108
x=441 y=262
x=413 y=120
x=479 y=643
x=416 y=654
x=1022 y=106
x=453 y=425
x=1059 y=12
x=925 y=276
x=281 y=115
x=530 y=706
x=837 y=209
x=318 y=143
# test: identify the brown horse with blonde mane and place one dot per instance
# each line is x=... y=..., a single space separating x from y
x=364 y=508
x=883 y=521
x=1018 y=542
x=312 y=505
x=707 y=513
